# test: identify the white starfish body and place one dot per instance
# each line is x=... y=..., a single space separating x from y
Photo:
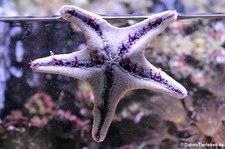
x=113 y=62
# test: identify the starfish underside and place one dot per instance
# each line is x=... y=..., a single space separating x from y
x=113 y=62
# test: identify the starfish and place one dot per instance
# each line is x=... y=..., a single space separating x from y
x=113 y=62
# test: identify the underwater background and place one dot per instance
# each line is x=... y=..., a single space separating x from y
x=45 y=111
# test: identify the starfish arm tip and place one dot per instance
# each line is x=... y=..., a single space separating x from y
x=66 y=9
x=178 y=91
x=170 y=15
x=98 y=137
x=183 y=94
x=32 y=65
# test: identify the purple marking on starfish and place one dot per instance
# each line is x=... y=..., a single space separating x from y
x=108 y=84
x=140 y=33
x=72 y=64
x=136 y=70
x=97 y=137
x=137 y=35
x=89 y=21
x=62 y=63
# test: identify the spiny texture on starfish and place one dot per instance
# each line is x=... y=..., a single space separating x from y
x=113 y=62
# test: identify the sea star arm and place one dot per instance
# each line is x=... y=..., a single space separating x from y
x=140 y=34
x=78 y=64
x=147 y=76
x=92 y=25
x=108 y=88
